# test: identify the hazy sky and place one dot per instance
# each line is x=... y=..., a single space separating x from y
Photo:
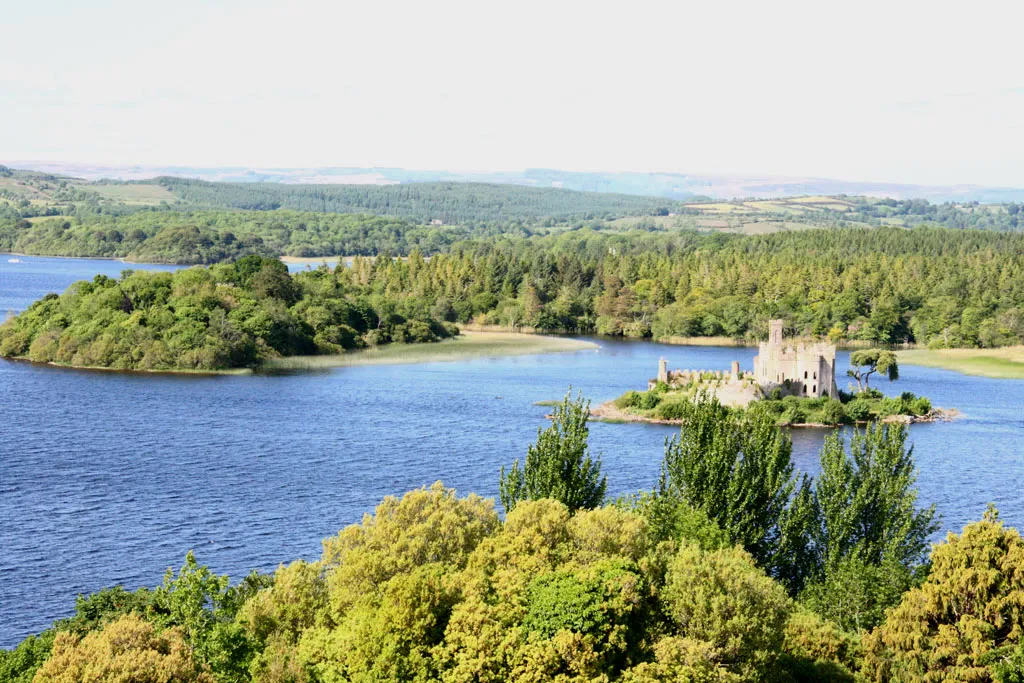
x=929 y=92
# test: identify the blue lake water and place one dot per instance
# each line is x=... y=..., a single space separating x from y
x=109 y=478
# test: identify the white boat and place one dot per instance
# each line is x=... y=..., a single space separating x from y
x=14 y=260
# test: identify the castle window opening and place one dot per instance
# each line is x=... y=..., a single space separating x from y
x=814 y=389
x=815 y=375
x=805 y=374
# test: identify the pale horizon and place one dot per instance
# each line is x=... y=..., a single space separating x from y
x=881 y=94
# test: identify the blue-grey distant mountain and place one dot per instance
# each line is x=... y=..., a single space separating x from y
x=670 y=185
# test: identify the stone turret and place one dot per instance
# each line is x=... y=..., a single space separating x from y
x=663 y=371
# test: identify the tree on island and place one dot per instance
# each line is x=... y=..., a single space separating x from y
x=869 y=361
x=558 y=465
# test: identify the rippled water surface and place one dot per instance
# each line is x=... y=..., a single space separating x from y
x=110 y=478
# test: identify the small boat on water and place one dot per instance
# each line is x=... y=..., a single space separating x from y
x=14 y=260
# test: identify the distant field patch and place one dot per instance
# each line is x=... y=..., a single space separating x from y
x=665 y=222
x=767 y=227
x=133 y=194
x=818 y=200
x=720 y=207
x=773 y=207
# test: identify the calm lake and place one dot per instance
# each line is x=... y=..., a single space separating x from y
x=109 y=478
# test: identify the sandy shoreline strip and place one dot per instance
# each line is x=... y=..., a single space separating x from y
x=466 y=346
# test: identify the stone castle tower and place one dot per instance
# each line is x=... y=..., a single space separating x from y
x=801 y=369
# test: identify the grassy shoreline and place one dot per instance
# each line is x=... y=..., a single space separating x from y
x=1001 y=363
x=467 y=346
x=134 y=371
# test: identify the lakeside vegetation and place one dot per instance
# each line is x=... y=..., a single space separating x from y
x=884 y=286
x=664 y=404
x=732 y=568
x=228 y=316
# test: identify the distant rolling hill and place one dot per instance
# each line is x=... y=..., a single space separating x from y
x=669 y=185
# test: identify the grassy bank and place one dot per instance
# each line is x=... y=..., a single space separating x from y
x=1003 y=363
x=101 y=368
x=705 y=341
x=466 y=346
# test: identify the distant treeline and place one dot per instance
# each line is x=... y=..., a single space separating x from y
x=949 y=214
x=214 y=236
x=423 y=202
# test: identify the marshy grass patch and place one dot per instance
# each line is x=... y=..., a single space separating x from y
x=1002 y=363
x=466 y=346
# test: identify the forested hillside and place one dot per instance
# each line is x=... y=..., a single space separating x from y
x=423 y=202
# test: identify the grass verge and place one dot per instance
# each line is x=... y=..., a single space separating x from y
x=1004 y=363
x=466 y=346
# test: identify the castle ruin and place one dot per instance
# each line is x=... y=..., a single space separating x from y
x=800 y=369
x=796 y=368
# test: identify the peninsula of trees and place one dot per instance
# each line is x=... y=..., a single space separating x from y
x=732 y=569
x=228 y=316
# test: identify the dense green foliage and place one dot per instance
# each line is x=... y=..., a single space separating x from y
x=672 y=404
x=964 y=620
x=866 y=406
x=867 y=362
x=886 y=285
x=735 y=468
x=866 y=537
x=558 y=465
x=227 y=316
x=855 y=532
x=881 y=285
x=447 y=202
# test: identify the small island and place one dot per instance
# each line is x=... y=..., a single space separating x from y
x=792 y=380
